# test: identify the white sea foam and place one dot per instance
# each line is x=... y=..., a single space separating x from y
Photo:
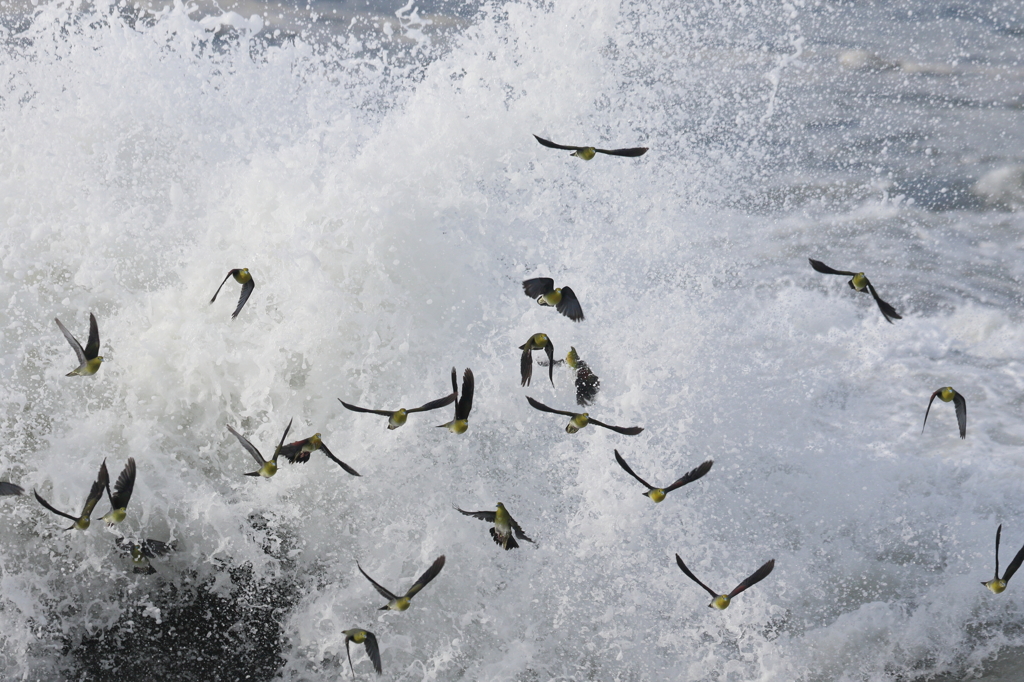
x=388 y=209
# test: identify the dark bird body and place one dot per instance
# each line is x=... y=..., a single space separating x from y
x=267 y=467
x=504 y=526
x=396 y=603
x=463 y=405
x=141 y=552
x=947 y=394
x=89 y=358
x=859 y=283
x=658 y=494
x=122 y=494
x=369 y=642
x=563 y=299
x=398 y=417
x=536 y=342
x=579 y=420
x=82 y=521
x=299 y=451
x=721 y=601
x=587 y=153
x=243 y=277
x=997 y=584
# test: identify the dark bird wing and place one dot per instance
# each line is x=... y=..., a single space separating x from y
x=465 y=403
x=691 y=576
x=587 y=384
x=348 y=640
x=632 y=151
x=427 y=576
x=124 y=486
x=53 y=509
x=1014 y=565
x=691 y=476
x=549 y=348
x=73 y=341
x=434 y=404
x=821 y=267
x=337 y=461
x=10 y=489
x=755 y=577
x=538 y=286
x=293 y=452
x=934 y=396
x=888 y=312
x=518 y=530
x=277 y=450
x=356 y=408
x=383 y=591
x=624 y=430
x=372 y=650
x=622 y=463
x=526 y=365
x=230 y=272
x=487 y=516
x=246 y=291
x=249 y=447
x=99 y=487
x=999 y=531
x=92 y=349
x=544 y=408
x=553 y=145
x=506 y=542
x=570 y=305
x=960 y=404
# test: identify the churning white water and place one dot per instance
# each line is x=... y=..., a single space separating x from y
x=374 y=168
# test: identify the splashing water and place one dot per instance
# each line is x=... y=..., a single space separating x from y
x=377 y=174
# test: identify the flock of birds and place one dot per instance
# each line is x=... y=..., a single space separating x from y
x=505 y=531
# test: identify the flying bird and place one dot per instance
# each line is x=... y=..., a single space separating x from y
x=536 y=342
x=243 y=277
x=123 y=488
x=579 y=420
x=396 y=603
x=369 y=641
x=399 y=416
x=141 y=552
x=504 y=526
x=463 y=405
x=10 y=489
x=721 y=601
x=587 y=383
x=562 y=299
x=267 y=467
x=89 y=358
x=298 y=452
x=658 y=494
x=859 y=283
x=946 y=394
x=82 y=521
x=997 y=585
x=587 y=153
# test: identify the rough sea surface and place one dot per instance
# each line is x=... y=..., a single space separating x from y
x=373 y=166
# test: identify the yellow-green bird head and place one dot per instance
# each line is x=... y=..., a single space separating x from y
x=997 y=584
x=577 y=422
x=859 y=282
x=572 y=358
x=397 y=418
x=585 y=153
x=241 y=275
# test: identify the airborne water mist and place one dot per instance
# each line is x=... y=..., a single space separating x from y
x=379 y=178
